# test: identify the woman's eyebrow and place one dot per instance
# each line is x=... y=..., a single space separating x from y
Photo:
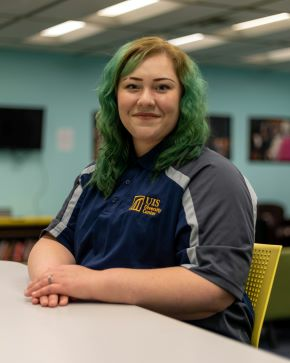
x=164 y=79
x=155 y=79
x=132 y=78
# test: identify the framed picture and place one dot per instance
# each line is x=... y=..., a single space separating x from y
x=270 y=139
x=219 y=139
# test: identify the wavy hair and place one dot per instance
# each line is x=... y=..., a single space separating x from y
x=184 y=143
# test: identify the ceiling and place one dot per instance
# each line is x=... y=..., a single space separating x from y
x=22 y=20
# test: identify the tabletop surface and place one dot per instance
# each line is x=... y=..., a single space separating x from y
x=105 y=333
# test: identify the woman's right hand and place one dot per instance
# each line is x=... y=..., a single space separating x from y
x=48 y=252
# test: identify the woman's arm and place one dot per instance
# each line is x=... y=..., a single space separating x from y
x=173 y=291
x=48 y=253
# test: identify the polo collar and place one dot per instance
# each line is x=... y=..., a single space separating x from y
x=148 y=160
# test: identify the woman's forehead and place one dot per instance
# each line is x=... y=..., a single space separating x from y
x=159 y=65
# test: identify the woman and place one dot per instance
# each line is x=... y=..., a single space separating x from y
x=160 y=221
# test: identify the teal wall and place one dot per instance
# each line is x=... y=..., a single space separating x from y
x=244 y=93
x=37 y=183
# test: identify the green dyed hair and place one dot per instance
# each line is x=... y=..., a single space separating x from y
x=183 y=144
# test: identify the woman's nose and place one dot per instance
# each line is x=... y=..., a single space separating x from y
x=146 y=98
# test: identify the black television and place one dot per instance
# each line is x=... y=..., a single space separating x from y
x=21 y=128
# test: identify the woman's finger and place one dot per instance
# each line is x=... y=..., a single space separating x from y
x=53 y=300
x=63 y=300
x=43 y=300
x=44 y=281
x=45 y=291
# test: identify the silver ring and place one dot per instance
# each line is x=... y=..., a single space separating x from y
x=49 y=279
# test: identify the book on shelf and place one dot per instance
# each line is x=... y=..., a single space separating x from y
x=16 y=250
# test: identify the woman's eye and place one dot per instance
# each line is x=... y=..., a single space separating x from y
x=131 y=86
x=162 y=87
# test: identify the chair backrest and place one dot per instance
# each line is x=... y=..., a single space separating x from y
x=279 y=303
x=259 y=283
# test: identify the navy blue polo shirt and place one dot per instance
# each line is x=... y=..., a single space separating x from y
x=135 y=227
x=200 y=216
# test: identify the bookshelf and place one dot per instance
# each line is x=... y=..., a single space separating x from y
x=18 y=235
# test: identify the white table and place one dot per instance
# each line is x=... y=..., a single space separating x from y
x=103 y=333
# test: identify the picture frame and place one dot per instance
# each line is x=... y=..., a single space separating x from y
x=220 y=138
x=269 y=139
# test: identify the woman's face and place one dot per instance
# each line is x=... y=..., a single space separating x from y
x=148 y=101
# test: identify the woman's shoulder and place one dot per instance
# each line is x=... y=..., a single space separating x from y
x=89 y=169
x=208 y=168
x=85 y=175
x=211 y=174
x=210 y=162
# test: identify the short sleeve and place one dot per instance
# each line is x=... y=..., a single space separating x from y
x=216 y=227
x=62 y=227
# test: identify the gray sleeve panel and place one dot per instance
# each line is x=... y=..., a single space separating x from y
x=253 y=198
x=181 y=179
x=221 y=209
x=191 y=220
x=63 y=221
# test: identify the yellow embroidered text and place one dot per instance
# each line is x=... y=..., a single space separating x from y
x=146 y=205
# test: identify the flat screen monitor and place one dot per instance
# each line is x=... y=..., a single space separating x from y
x=21 y=128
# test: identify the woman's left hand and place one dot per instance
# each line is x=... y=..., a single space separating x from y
x=69 y=280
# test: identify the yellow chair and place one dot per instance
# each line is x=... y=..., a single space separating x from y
x=259 y=283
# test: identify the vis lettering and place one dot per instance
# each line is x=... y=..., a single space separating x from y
x=152 y=202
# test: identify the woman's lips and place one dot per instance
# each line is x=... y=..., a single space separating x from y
x=145 y=114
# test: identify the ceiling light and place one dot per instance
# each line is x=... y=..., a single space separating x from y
x=186 y=39
x=261 y=21
x=63 y=28
x=196 y=41
x=279 y=56
x=133 y=17
x=125 y=7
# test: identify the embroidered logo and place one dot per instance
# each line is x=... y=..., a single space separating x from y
x=146 y=205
